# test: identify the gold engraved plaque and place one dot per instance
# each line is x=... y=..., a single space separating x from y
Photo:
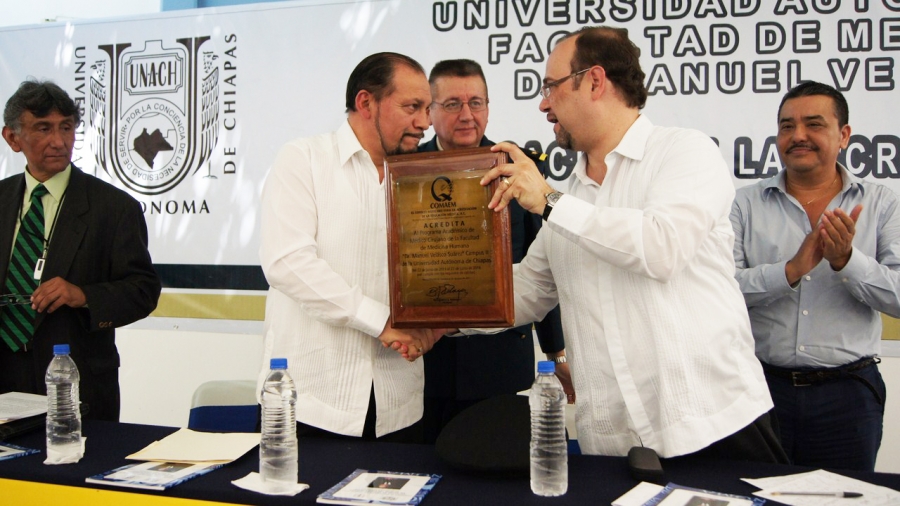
x=450 y=262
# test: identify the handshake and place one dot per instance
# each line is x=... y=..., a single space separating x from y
x=410 y=343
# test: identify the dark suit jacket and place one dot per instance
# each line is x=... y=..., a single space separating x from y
x=479 y=367
x=99 y=243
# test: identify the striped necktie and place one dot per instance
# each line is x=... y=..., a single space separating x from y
x=17 y=321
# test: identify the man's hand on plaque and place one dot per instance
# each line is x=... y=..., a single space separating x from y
x=520 y=180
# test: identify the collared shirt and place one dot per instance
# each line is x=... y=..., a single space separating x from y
x=657 y=333
x=56 y=188
x=324 y=254
x=831 y=318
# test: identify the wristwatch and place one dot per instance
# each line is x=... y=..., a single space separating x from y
x=552 y=199
x=559 y=360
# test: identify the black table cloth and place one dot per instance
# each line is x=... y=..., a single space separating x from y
x=323 y=463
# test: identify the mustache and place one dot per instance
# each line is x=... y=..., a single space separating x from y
x=802 y=145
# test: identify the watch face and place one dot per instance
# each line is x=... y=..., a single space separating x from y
x=553 y=198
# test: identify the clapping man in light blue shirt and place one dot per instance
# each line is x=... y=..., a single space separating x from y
x=817 y=252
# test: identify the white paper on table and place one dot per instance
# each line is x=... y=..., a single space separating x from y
x=637 y=496
x=254 y=483
x=823 y=481
x=16 y=405
x=689 y=497
x=189 y=446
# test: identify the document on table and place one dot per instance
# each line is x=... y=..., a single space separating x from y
x=16 y=405
x=153 y=475
x=649 y=494
x=822 y=481
x=188 y=446
x=637 y=496
x=8 y=451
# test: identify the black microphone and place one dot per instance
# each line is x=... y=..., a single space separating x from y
x=535 y=155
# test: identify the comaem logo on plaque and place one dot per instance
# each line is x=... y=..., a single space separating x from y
x=154 y=112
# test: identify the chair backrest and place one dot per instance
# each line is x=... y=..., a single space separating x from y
x=225 y=406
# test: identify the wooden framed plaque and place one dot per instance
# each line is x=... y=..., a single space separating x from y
x=449 y=256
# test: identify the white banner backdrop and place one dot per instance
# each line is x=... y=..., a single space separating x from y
x=186 y=110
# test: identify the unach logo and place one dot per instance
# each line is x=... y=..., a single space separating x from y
x=154 y=112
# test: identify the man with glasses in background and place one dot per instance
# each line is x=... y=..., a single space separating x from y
x=636 y=250
x=462 y=371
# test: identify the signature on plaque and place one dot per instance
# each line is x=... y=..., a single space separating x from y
x=447 y=293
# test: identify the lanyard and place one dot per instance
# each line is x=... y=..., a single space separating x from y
x=39 y=267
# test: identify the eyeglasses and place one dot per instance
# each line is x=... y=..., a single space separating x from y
x=546 y=88
x=454 y=106
x=14 y=299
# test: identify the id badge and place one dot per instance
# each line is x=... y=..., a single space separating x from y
x=39 y=269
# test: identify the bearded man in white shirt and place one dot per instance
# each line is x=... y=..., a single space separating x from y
x=324 y=254
x=637 y=252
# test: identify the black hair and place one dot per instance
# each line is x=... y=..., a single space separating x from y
x=375 y=74
x=40 y=98
x=812 y=88
x=611 y=49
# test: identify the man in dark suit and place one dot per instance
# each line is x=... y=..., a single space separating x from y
x=461 y=371
x=93 y=272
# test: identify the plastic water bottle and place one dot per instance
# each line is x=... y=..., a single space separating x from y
x=63 y=409
x=549 y=459
x=278 y=445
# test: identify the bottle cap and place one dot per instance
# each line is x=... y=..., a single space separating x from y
x=60 y=349
x=546 y=366
x=278 y=363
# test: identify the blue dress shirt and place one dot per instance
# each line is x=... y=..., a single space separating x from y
x=830 y=318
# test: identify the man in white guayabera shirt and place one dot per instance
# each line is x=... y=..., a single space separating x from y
x=636 y=249
x=324 y=254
